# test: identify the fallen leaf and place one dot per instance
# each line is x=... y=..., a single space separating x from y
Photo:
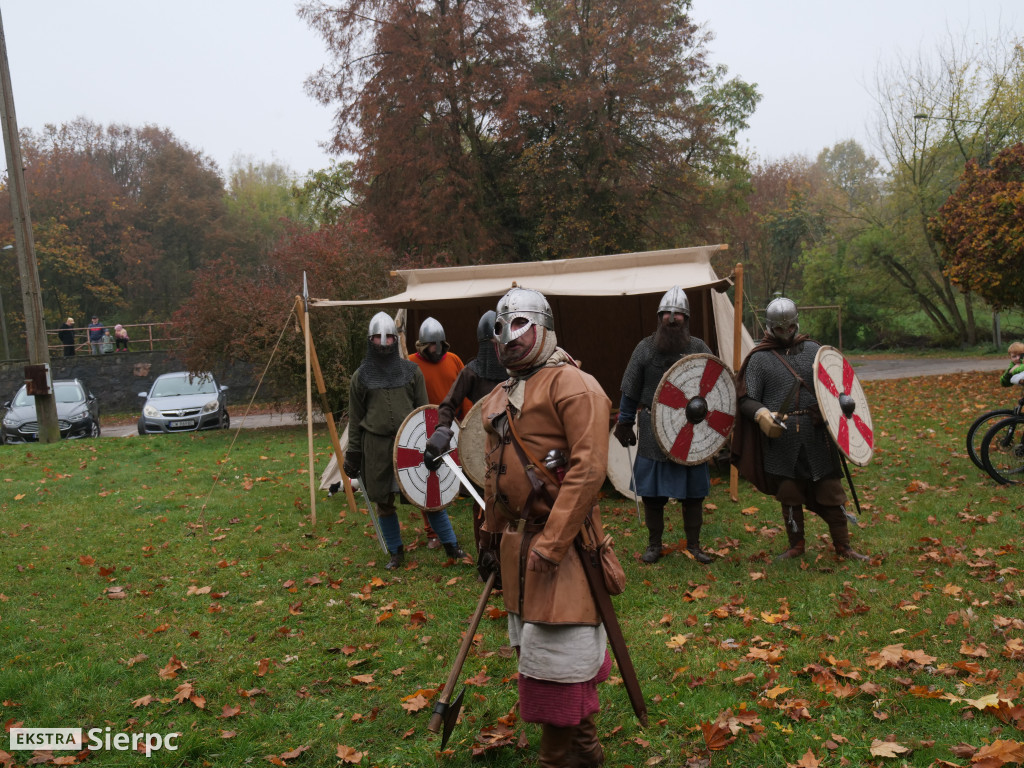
x=881 y=748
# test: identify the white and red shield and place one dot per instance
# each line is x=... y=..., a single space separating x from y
x=427 y=490
x=694 y=409
x=843 y=405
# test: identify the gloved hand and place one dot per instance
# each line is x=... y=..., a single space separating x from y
x=766 y=421
x=487 y=563
x=437 y=444
x=352 y=464
x=624 y=433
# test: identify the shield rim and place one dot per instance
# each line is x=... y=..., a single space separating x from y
x=731 y=377
x=473 y=412
x=821 y=394
x=442 y=471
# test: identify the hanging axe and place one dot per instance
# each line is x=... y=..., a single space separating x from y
x=446 y=712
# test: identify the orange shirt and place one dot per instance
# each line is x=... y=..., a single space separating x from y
x=440 y=377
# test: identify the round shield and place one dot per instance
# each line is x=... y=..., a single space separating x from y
x=843 y=405
x=473 y=445
x=428 y=490
x=620 y=466
x=694 y=409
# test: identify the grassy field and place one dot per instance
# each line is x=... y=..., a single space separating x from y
x=175 y=584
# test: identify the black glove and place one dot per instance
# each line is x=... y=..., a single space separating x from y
x=353 y=461
x=624 y=433
x=487 y=563
x=437 y=445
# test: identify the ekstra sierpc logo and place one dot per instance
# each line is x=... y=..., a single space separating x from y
x=46 y=738
x=66 y=739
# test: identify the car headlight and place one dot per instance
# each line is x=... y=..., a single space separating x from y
x=151 y=411
x=79 y=415
x=10 y=421
x=211 y=406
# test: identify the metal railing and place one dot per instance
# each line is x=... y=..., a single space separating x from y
x=141 y=337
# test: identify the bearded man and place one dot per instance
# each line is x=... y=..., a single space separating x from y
x=791 y=456
x=656 y=478
x=547 y=449
x=383 y=391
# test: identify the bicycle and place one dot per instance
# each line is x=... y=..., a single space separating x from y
x=977 y=431
x=1002 y=450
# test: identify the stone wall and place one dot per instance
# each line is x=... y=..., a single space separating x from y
x=118 y=377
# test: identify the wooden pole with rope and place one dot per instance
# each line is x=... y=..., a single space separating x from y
x=309 y=400
x=321 y=388
x=737 y=360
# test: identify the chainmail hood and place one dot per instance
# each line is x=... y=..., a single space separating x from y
x=384 y=368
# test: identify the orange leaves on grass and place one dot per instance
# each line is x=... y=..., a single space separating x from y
x=717 y=735
x=349 y=755
x=170 y=671
x=187 y=692
x=289 y=755
x=807 y=761
x=897 y=656
x=887 y=748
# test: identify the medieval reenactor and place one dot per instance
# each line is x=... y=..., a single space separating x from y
x=781 y=443
x=382 y=393
x=547 y=448
x=440 y=367
x=656 y=479
x=481 y=375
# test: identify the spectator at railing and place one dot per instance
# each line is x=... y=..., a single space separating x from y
x=66 y=334
x=108 y=342
x=96 y=336
x=121 y=338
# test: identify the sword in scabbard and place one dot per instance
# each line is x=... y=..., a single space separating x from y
x=787 y=403
x=636 y=497
x=446 y=712
x=372 y=512
x=853 y=490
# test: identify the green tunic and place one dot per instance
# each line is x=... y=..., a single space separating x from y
x=374 y=416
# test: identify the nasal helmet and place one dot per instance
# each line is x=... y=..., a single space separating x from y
x=521 y=303
x=674 y=301
x=780 y=315
x=430 y=331
x=485 y=327
x=382 y=325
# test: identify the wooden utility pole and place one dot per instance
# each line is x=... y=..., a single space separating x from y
x=24 y=245
x=737 y=360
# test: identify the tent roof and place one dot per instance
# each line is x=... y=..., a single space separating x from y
x=624 y=274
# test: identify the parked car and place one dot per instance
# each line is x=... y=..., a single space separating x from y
x=183 y=402
x=78 y=413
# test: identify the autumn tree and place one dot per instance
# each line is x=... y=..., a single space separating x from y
x=626 y=126
x=981 y=227
x=262 y=207
x=421 y=90
x=246 y=320
x=936 y=113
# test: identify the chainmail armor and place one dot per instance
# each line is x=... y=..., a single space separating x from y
x=805 y=449
x=641 y=379
x=385 y=371
x=486 y=365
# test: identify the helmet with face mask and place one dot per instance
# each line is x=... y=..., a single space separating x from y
x=382 y=325
x=674 y=301
x=781 y=319
x=522 y=303
x=530 y=306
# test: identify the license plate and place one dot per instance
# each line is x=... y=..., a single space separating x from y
x=178 y=424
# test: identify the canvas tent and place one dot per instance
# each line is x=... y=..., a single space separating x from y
x=603 y=305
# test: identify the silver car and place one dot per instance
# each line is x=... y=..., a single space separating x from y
x=184 y=402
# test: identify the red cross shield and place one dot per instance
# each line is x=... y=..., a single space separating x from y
x=694 y=409
x=428 y=490
x=843 y=405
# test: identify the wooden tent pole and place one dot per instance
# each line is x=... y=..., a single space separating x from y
x=321 y=389
x=737 y=360
x=309 y=412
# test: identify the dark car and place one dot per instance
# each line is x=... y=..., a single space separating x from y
x=184 y=402
x=78 y=413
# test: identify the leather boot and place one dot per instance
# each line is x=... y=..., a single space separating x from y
x=587 y=750
x=556 y=748
x=454 y=551
x=654 y=519
x=693 y=521
x=653 y=552
x=840 y=533
x=793 y=521
x=397 y=558
x=795 y=550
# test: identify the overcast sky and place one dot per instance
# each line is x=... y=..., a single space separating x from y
x=226 y=76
